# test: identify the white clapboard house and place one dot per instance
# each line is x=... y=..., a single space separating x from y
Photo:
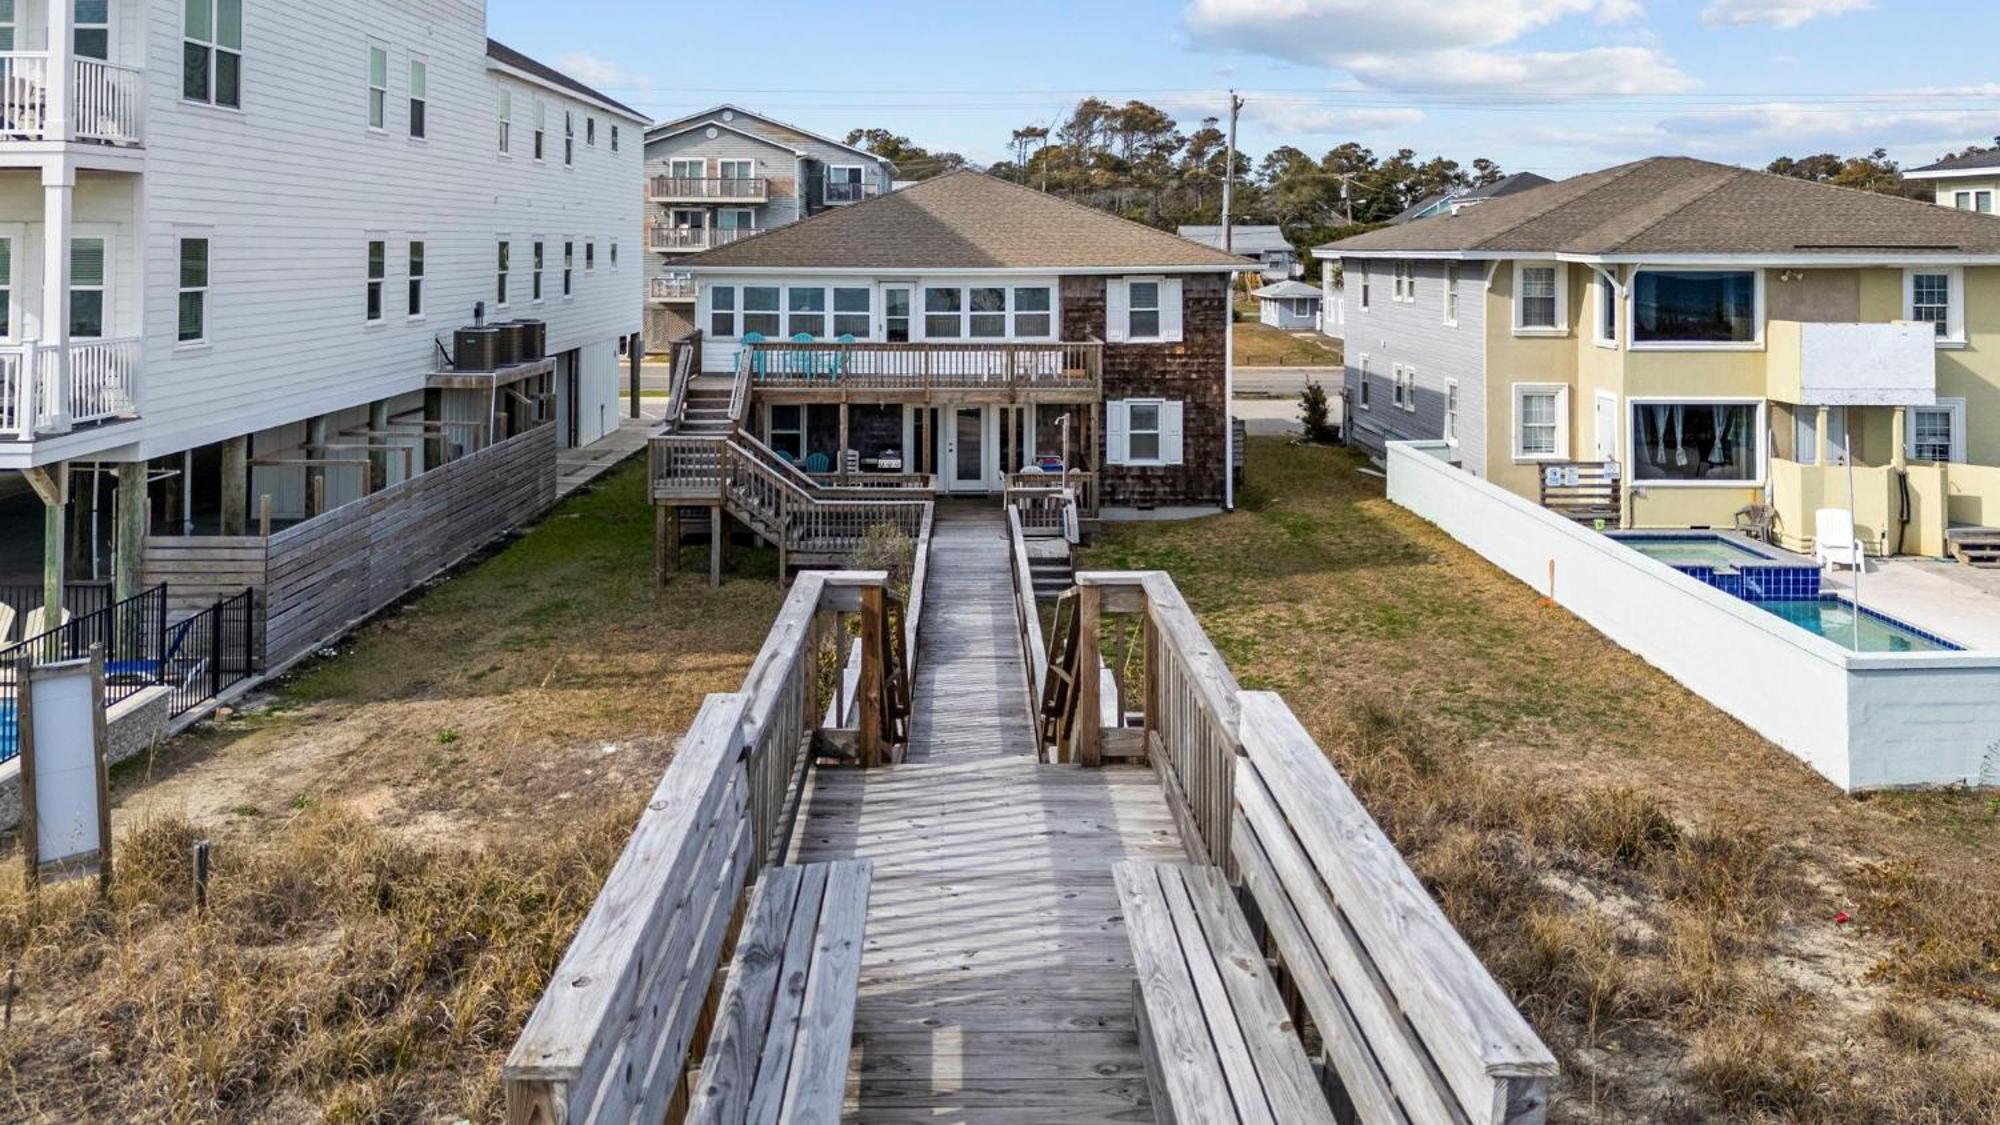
x=237 y=238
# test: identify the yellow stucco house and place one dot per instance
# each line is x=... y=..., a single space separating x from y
x=1705 y=338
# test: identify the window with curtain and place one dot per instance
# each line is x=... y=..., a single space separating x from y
x=1696 y=442
x=1694 y=307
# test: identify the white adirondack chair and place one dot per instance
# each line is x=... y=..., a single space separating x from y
x=7 y=616
x=1834 y=541
x=40 y=620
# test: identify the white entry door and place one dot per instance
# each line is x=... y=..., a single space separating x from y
x=1607 y=427
x=965 y=449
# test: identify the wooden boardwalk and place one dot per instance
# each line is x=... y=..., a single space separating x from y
x=997 y=980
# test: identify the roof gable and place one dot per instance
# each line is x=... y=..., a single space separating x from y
x=724 y=116
x=508 y=57
x=966 y=220
x=655 y=135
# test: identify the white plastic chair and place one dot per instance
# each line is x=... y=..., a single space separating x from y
x=1834 y=541
x=43 y=620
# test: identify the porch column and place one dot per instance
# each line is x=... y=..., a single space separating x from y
x=62 y=47
x=378 y=459
x=1822 y=425
x=236 y=485
x=315 y=474
x=840 y=454
x=51 y=483
x=1899 y=436
x=131 y=516
x=58 y=191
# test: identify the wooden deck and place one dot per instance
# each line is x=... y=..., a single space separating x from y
x=997 y=979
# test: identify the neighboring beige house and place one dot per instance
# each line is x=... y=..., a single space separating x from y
x=1963 y=183
x=1716 y=337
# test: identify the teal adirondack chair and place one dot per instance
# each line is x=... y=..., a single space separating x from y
x=756 y=354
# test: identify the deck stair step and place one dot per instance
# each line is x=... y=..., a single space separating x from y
x=1051 y=577
x=1975 y=546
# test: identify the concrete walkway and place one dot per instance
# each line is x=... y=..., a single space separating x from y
x=578 y=467
x=1927 y=594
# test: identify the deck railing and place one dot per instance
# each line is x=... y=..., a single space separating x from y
x=666 y=238
x=672 y=288
x=929 y=365
x=675 y=189
x=838 y=193
x=107 y=101
x=775 y=499
x=1081 y=485
x=1027 y=611
x=102 y=374
x=613 y=1034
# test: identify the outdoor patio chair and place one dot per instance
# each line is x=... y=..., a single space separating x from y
x=40 y=620
x=1834 y=541
x=147 y=670
x=756 y=354
x=7 y=616
x=840 y=357
x=816 y=463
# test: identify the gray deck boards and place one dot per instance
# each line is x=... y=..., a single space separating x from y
x=996 y=981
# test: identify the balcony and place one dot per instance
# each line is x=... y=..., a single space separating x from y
x=708 y=189
x=1839 y=364
x=688 y=240
x=106 y=101
x=672 y=288
x=843 y=192
x=970 y=373
x=36 y=402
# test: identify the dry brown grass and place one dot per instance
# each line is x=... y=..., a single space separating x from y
x=405 y=838
x=1654 y=884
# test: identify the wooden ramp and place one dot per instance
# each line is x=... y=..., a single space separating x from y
x=996 y=984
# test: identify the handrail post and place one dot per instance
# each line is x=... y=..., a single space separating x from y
x=1087 y=736
x=874 y=610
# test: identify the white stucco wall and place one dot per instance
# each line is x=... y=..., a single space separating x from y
x=1862 y=721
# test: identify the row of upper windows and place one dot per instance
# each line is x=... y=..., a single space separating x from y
x=1669 y=308
x=376 y=285
x=540 y=116
x=1138 y=310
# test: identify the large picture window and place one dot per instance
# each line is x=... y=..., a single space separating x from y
x=1024 y=312
x=1694 y=307
x=760 y=310
x=1697 y=442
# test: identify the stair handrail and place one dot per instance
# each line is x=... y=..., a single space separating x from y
x=739 y=393
x=677 y=390
x=799 y=499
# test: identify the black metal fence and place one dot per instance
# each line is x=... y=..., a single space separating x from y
x=196 y=657
x=78 y=597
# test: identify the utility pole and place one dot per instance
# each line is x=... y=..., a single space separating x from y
x=1229 y=171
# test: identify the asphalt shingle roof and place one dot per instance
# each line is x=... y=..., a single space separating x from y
x=501 y=53
x=1678 y=205
x=965 y=220
x=1242 y=239
x=1286 y=289
x=1970 y=162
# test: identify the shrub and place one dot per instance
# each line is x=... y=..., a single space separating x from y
x=1316 y=416
x=883 y=546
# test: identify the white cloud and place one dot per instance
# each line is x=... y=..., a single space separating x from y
x=1776 y=13
x=1454 y=46
x=1291 y=115
x=606 y=75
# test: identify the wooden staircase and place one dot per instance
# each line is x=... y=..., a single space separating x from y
x=1975 y=546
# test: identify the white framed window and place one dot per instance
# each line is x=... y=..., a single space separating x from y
x=193 y=294
x=1143 y=432
x=378 y=88
x=1540 y=300
x=569 y=270
x=1143 y=310
x=1396 y=385
x=378 y=276
x=1697 y=443
x=569 y=138
x=506 y=115
x=722 y=311
x=1962 y=200
x=1451 y=294
x=589 y=131
x=805 y=311
x=10 y=24
x=1980 y=201
x=537 y=261
x=89 y=287
x=1692 y=310
x=1451 y=411
x=504 y=264
x=1363 y=383
x=8 y=240
x=1541 y=422
x=988 y=312
x=541 y=126
x=1937 y=432
x=760 y=310
x=1936 y=297
x=212 y=52
x=590 y=257
x=416 y=288
x=1363 y=305
x=1409 y=388
x=1406 y=281
x=614 y=136
x=1605 y=331
x=852 y=311
x=90 y=29
x=614 y=255
x=419 y=98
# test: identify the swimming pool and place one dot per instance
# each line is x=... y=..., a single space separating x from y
x=1837 y=619
x=1679 y=551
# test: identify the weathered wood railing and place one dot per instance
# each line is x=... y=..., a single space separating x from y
x=775 y=499
x=1027 y=612
x=928 y=365
x=685 y=360
x=1412 y=1026
x=1083 y=485
x=611 y=1038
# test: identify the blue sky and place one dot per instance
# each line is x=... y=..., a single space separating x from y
x=1555 y=86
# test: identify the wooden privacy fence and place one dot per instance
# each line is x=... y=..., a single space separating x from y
x=1411 y=1025
x=611 y=1038
x=317 y=578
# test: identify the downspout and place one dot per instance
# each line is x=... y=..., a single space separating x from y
x=1229 y=395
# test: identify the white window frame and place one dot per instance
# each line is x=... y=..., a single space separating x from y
x=1982 y=202
x=1954 y=408
x=378 y=96
x=1396 y=385
x=538 y=259
x=1954 y=323
x=614 y=136
x=375 y=289
x=419 y=99
x=214 y=48
x=503 y=273
x=1158 y=309
x=1451 y=412
x=15 y=235
x=1519 y=392
x=590 y=130
x=1362 y=304
x=1754 y=344
x=1159 y=432
x=1760 y=425
x=1363 y=368
x=506 y=114
x=1451 y=294
x=1410 y=388
x=569 y=269
x=1561 y=325
x=614 y=255
x=417 y=258
x=13 y=28
x=541 y=131
x=182 y=289
x=1961 y=200
x=76 y=25
x=108 y=287
x=569 y=137
x=589 y=257
x=1604 y=301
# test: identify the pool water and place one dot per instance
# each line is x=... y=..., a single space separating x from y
x=1709 y=551
x=1837 y=620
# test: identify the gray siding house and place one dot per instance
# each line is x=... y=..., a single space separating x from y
x=724 y=174
x=1415 y=332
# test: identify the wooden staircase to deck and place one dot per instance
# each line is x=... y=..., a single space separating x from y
x=1975 y=546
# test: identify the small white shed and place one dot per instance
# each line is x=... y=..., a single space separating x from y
x=1291 y=305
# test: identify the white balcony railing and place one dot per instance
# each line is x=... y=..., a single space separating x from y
x=673 y=289
x=740 y=189
x=674 y=239
x=35 y=401
x=107 y=101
